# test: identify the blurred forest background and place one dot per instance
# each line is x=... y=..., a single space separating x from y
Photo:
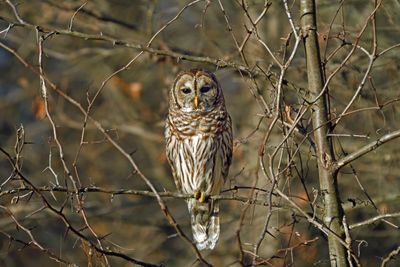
x=107 y=66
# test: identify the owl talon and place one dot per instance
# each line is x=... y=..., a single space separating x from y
x=202 y=198
x=196 y=194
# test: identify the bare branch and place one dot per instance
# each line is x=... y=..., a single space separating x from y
x=366 y=149
x=76 y=232
x=114 y=192
x=375 y=219
x=189 y=56
x=391 y=255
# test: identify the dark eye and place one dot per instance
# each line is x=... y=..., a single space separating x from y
x=205 y=88
x=186 y=90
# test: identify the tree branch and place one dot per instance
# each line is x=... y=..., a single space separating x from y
x=145 y=193
x=374 y=219
x=391 y=255
x=69 y=226
x=366 y=149
x=176 y=54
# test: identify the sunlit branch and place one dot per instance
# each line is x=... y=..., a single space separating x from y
x=145 y=193
x=374 y=219
x=366 y=149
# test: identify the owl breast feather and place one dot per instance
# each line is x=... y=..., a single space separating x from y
x=190 y=124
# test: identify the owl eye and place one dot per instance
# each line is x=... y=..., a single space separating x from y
x=205 y=88
x=186 y=90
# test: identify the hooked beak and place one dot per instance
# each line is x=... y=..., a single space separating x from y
x=196 y=101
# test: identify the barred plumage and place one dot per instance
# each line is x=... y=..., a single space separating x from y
x=199 y=148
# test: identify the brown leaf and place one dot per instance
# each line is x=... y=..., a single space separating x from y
x=133 y=89
x=302 y=199
x=162 y=157
x=23 y=82
x=119 y=82
x=38 y=107
x=383 y=208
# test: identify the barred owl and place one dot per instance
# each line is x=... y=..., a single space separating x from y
x=198 y=136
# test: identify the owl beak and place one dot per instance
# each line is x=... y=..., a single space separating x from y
x=196 y=101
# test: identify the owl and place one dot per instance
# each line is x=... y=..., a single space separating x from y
x=198 y=137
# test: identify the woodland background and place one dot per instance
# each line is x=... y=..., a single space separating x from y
x=107 y=66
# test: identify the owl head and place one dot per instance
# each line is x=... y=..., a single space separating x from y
x=196 y=91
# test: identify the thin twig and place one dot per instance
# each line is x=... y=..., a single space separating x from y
x=391 y=255
x=73 y=16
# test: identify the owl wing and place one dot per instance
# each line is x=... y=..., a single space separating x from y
x=171 y=149
x=227 y=147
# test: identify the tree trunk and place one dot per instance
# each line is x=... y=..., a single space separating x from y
x=333 y=213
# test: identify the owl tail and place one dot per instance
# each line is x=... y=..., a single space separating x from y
x=205 y=222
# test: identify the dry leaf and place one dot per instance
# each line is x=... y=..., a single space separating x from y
x=302 y=199
x=133 y=89
x=23 y=82
x=162 y=157
x=383 y=208
x=38 y=107
x=119 y=82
